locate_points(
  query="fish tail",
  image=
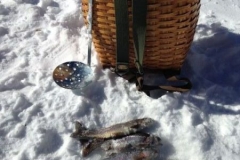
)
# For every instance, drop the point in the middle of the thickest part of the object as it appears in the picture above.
(91, 146)
(79, 130)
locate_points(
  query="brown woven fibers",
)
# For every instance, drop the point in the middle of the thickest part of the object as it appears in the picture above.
(170, 30)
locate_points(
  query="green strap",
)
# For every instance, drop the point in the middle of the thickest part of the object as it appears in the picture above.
(139, 34)
(139, 30)
(122, 33)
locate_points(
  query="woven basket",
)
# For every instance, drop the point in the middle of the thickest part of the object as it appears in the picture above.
(170, 29)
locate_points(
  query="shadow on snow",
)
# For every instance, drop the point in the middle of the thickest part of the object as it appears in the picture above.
(213, 67)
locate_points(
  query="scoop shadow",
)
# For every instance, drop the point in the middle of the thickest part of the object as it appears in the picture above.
(94, 91)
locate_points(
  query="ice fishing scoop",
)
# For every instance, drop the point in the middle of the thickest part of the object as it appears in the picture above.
(76, 75)
(73, 75)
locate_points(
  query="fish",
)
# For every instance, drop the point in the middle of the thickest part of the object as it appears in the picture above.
(146, 154)
(112, 146)
(79, 127)
(90, 146)
(114, 131)
(131, 142)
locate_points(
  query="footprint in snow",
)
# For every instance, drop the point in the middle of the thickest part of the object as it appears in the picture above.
(44, 4)
(27, 1)
(19, 131)
(196, 119)
(3, 10)
(3, 31)
(16, 81)
(21, 104)
(50, 141)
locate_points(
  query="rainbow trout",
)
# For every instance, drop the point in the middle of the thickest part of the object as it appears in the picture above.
(146, 154)
(132, 142)
(115, 131)
(90, 146)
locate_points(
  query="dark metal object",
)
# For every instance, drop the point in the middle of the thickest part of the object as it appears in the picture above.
(73, 75)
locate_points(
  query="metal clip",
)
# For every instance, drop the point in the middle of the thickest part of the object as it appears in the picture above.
(122, 69)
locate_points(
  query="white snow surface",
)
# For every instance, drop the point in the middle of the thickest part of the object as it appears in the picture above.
(37, 116)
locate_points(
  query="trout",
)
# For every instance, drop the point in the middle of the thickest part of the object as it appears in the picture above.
(115, 131)
(147, 154)
(90, 146)
(132, 142)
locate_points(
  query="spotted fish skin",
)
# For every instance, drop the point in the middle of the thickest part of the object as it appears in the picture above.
(138, 141)
(90, 146)
(118, 130)
(146, 154)
(111, 146)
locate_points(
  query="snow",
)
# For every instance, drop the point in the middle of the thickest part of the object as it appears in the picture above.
(37, 117)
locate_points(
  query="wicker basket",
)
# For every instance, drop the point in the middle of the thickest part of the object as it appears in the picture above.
(170, 30)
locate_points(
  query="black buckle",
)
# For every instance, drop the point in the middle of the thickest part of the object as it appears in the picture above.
(121, 69)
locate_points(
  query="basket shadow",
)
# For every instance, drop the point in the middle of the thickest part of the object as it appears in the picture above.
(213, 66)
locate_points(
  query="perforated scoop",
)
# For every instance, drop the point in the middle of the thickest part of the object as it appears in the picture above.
(73, 75)
(76, 75)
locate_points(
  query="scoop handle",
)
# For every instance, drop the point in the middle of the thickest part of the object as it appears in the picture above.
(90, 4)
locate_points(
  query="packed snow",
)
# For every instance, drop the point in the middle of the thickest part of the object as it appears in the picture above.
(37, 116)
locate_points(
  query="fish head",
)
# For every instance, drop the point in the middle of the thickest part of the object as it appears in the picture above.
(147, 154)
(145, 122)
(139, 124)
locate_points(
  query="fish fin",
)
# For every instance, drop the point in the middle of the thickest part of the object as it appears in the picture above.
(136, 126)
(84, 142)
(74, 135)
(140, 133)
(79, 126)
(91, 146)
(79, 129)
